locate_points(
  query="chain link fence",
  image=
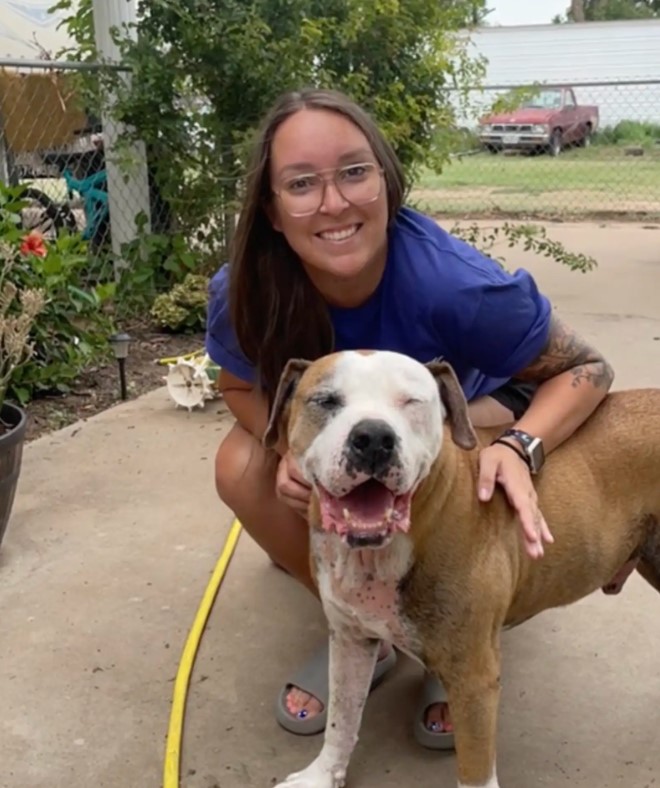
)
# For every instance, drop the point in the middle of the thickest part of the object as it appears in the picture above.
(60, 152)
(540, 159)
(542, 156)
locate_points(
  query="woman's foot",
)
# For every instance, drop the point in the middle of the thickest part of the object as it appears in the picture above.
(302, 703)
(304, 706)
(433, 726)
(438, 719)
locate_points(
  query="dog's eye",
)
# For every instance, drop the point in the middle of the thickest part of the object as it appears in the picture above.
(412, 401)
(327, 400)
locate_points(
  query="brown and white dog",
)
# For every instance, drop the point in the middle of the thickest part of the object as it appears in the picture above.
(403, 551)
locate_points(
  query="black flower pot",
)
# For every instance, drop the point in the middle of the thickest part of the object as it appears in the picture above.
(12, 436)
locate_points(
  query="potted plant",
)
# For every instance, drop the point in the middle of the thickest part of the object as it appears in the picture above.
(18, 310)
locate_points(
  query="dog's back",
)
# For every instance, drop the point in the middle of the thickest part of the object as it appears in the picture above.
(600, 495)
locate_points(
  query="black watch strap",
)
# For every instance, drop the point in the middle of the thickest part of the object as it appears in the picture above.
(519, 452)
(523, 438)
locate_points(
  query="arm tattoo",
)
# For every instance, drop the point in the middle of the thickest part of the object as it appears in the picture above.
(566, 351)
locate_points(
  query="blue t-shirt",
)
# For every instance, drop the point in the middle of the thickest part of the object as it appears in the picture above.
(438, 297)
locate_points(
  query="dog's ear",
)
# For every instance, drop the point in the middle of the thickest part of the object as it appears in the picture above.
(286, 387)
(451, 394)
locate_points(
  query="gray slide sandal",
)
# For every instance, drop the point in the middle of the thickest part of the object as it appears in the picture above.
(432, 692)
(312, 678)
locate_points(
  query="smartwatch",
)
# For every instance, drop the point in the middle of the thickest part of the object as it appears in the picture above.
(532, 448)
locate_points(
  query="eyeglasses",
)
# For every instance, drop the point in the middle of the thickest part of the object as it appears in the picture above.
(358, 184)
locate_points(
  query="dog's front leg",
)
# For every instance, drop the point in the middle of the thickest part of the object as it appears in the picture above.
(473, 692)
(352, 662)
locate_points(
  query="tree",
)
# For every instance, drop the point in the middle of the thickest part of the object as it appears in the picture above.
(576, 12)
(605, 10)
(204, 72)
(479, 13)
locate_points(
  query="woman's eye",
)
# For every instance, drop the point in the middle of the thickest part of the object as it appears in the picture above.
(301, 184)
(358, 169)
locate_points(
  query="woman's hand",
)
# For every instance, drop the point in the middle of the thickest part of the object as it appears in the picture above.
(499, 465)
(291, 487)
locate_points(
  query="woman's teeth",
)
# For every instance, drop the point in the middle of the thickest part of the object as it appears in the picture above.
(339, 235)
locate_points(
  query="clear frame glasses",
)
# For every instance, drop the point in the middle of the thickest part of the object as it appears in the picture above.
(303, 195)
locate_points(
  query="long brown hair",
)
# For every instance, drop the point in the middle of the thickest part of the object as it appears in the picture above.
(276, 312)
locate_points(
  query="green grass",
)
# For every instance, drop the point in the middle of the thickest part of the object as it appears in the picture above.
(600, 179)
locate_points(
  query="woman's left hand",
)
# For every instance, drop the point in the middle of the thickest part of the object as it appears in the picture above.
(499, 465)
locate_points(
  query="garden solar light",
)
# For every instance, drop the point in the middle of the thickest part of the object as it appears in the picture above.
(120, 343)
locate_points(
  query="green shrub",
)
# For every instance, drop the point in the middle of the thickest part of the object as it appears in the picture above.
(72, 329)
(629, 132)
(183, 309)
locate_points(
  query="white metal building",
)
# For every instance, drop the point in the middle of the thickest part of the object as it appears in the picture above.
(606, 52)
(28, 31)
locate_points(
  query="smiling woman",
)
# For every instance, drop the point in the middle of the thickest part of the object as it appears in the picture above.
(326, 257)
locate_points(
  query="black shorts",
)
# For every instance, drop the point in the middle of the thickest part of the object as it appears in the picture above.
(515, 395)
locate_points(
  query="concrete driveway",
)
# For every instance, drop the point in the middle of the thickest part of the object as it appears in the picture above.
(116, 530)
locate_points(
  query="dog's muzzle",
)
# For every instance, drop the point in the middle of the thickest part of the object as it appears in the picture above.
(372, 512)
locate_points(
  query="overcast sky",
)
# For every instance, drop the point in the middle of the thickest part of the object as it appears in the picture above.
(532, 12)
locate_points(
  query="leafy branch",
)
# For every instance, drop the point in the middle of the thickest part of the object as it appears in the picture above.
(532, 237)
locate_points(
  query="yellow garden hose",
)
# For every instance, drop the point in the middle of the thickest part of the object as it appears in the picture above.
(175, 731)
(185, 357)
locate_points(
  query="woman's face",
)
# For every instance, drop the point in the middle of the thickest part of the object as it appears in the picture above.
(338, 239)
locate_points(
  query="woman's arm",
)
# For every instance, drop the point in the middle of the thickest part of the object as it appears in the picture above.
(250, 410)
(574, 379)
(248, 406)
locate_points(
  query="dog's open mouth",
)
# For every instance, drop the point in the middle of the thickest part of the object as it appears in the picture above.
(368, 516)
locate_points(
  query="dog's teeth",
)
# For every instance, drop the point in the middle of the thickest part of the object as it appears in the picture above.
(347, 515)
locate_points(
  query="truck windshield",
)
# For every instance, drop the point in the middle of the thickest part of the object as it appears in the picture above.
(546, 99)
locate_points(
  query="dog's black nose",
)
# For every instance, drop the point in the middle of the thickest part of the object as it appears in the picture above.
(371, 445)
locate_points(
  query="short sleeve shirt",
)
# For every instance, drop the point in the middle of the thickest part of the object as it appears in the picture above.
(438, 297)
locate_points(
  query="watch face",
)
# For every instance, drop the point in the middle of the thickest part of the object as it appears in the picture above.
(536, 454)
(533, 448)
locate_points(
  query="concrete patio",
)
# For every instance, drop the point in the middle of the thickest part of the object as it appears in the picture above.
(116, 530)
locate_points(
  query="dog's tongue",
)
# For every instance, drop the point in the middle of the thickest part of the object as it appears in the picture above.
(369, 507)
(369, 503)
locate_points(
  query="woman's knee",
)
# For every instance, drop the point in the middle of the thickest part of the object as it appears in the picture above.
(241, 466)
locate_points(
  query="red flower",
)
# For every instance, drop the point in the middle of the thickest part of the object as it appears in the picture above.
(34, 244)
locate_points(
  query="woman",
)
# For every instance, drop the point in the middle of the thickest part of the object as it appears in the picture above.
(326, 257)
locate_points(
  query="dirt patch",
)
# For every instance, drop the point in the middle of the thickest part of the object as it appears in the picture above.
(98, 387)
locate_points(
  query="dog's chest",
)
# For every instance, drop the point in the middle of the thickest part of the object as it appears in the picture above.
(360, 588)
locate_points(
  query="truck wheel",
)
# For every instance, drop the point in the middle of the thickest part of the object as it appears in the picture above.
(554, 148)
(585, 142)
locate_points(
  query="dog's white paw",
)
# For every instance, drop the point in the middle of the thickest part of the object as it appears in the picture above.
(316, 775)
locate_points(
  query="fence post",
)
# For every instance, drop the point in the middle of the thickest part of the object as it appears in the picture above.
(7, 169)
(128, 182)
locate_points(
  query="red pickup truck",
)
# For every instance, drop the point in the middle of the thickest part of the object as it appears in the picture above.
(549, 121)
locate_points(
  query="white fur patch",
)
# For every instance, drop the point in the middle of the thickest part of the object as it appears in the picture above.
(359, 588)
(390, 387)
(319, 774)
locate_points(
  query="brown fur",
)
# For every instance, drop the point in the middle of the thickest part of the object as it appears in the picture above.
(471, 577)
(599, 493)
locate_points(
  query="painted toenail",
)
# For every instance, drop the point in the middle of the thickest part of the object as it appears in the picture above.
(302, 714)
